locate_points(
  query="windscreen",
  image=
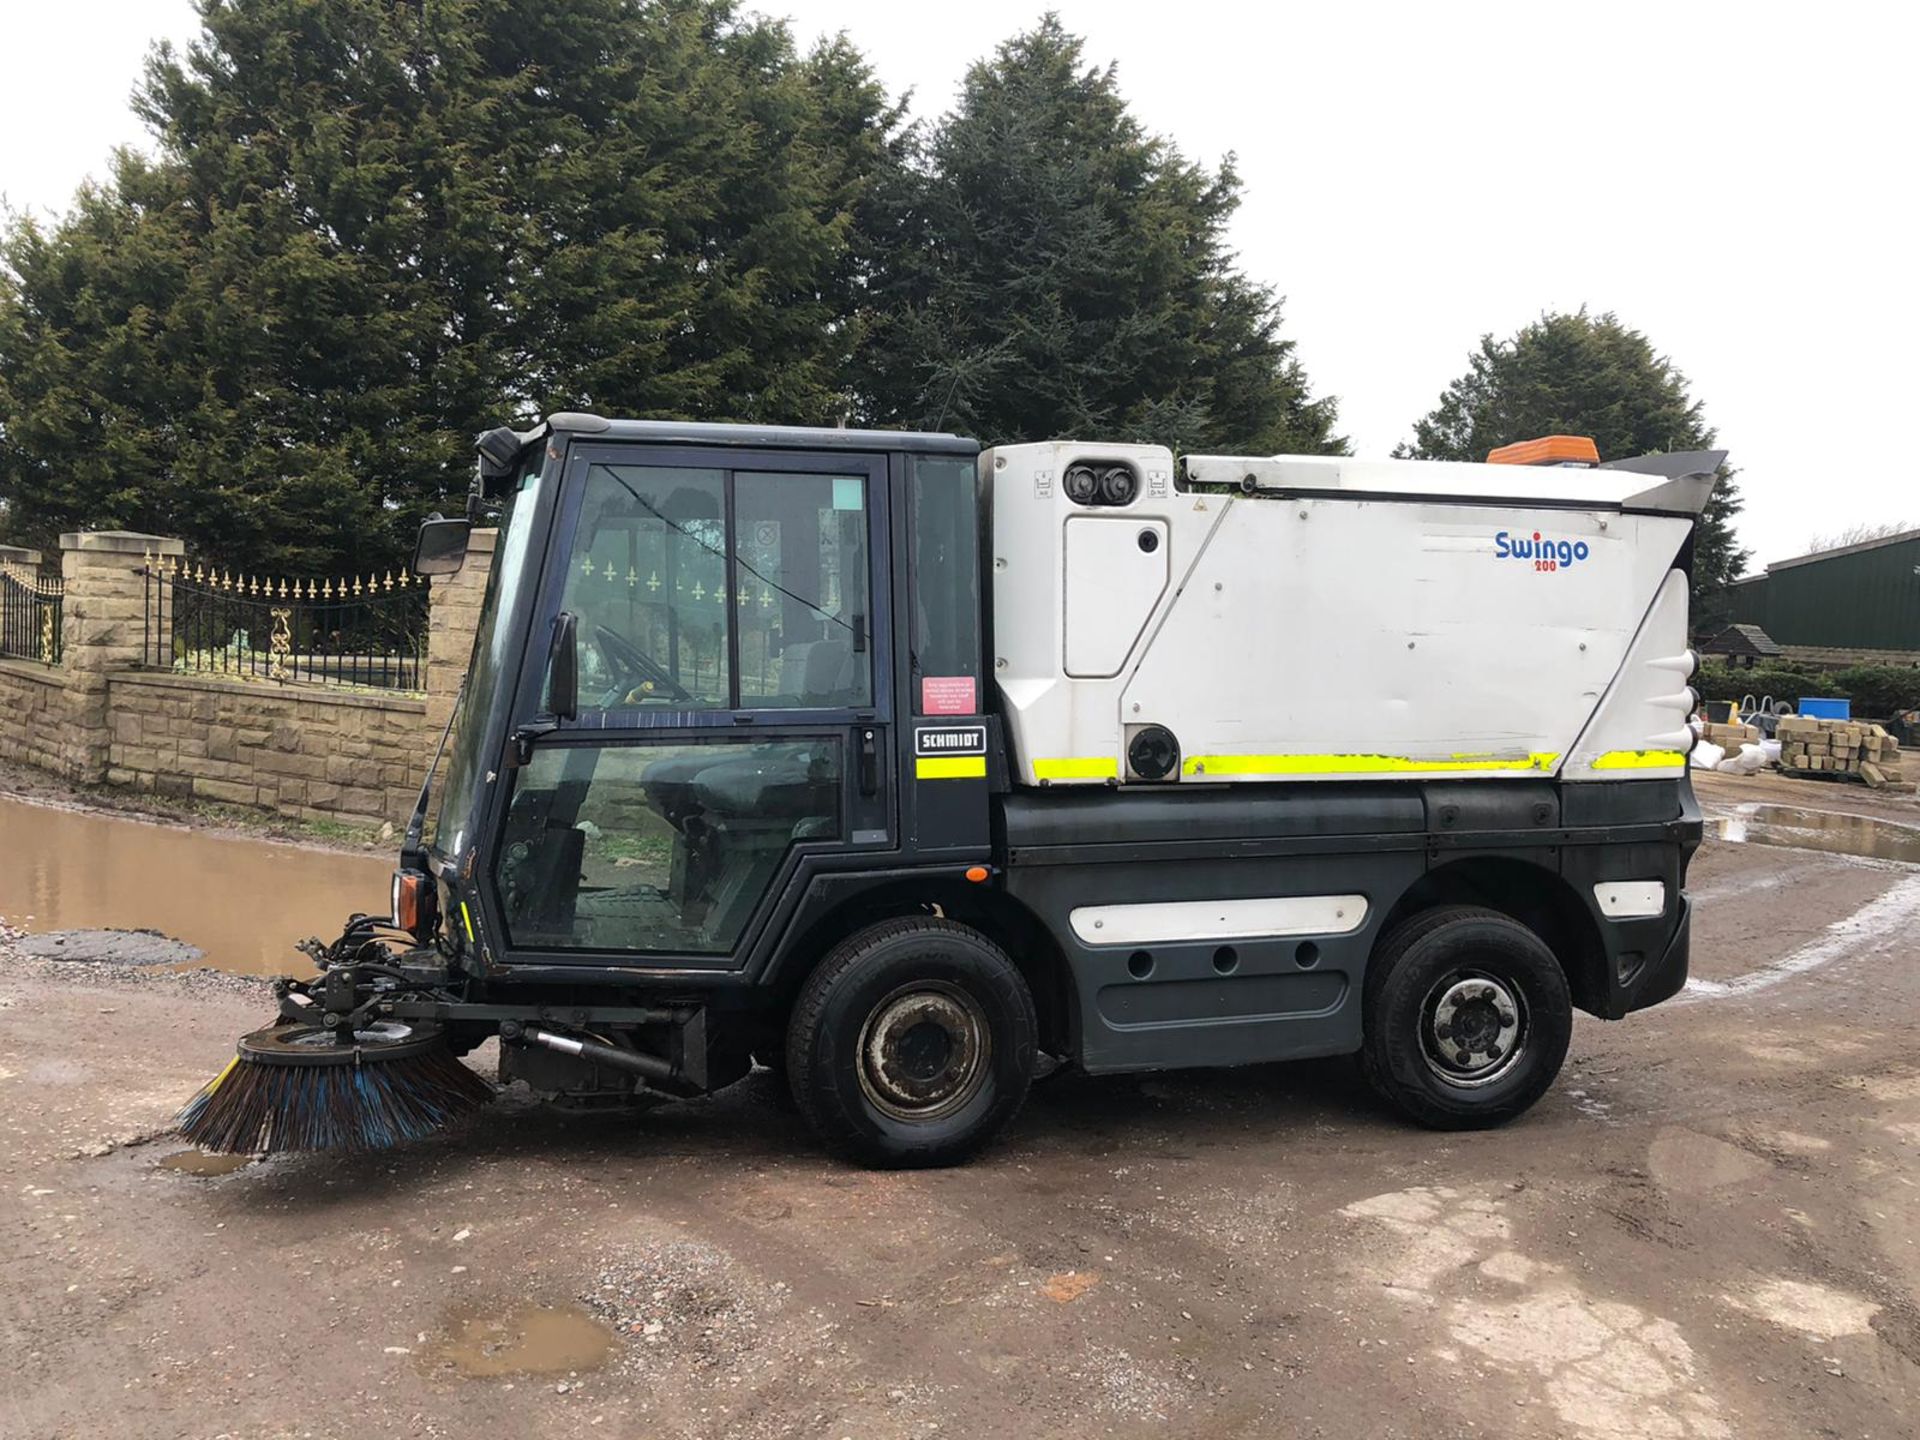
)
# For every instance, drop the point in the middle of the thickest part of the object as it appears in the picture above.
(512, 564)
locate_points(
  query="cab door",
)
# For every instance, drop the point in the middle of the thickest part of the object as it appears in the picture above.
(731, 735)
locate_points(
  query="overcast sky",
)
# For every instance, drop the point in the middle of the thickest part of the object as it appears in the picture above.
(1737, 180)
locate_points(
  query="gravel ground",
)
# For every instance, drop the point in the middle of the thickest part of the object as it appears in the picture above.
(1708, 1229)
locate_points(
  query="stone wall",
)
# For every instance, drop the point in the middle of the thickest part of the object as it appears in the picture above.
(33, 715)
(302, 750)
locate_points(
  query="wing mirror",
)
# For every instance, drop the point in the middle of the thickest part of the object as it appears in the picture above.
(442, 546)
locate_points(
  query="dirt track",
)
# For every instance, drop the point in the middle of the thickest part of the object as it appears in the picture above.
(1709, 1228)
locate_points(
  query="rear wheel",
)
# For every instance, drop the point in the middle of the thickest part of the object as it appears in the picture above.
(1467, 1018)
(912, 1044)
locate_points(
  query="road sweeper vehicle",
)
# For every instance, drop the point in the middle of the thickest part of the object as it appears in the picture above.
(895, 764)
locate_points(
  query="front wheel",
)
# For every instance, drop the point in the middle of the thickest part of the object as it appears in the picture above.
(912, 1044)
(1466, 1020)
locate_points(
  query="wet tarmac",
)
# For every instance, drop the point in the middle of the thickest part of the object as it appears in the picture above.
(242, 902)
(109, 947)
(1828, 831)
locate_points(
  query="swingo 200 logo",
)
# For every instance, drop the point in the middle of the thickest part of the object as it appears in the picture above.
(1546, 555)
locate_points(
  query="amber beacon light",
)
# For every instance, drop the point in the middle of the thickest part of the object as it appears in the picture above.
(1547, 450)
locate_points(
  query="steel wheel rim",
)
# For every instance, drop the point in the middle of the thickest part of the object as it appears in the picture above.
(924, 1052)
(1473, 1028)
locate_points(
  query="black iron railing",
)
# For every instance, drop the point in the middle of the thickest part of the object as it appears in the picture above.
(30, 615)
(363, 630)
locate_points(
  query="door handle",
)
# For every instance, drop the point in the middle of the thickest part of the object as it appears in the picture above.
(869, 762)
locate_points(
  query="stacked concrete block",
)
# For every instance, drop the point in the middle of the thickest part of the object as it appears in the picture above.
(1857, 749)
(1731, 737)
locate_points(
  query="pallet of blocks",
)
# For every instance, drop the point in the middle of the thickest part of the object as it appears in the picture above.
(1841, 749)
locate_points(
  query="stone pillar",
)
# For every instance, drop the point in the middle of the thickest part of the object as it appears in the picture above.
(453, 614)
(104, 629)
(23, 563)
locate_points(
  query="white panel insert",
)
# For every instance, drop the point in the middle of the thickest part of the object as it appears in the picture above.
(1631, 899)
(1113, 585)
(1173, 920)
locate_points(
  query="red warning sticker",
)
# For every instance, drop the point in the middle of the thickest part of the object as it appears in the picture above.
(949, 695)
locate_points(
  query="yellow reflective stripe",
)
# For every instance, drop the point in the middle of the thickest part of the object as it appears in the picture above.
(1358, 764)
(1084, 767)
(1639, 760)
(466, 916)
(950, 767)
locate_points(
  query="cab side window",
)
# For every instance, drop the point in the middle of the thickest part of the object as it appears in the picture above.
(943, 519)
(800, 568)
(659, 846)
(699, 589)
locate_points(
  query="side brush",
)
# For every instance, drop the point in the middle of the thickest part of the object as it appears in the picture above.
(296, 1086)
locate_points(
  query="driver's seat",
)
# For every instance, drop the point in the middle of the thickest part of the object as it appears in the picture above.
(819, 672)
(829, 673)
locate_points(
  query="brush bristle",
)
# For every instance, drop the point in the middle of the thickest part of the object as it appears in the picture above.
(251, 1108)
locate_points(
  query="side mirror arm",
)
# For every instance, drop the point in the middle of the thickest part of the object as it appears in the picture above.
(563, 668)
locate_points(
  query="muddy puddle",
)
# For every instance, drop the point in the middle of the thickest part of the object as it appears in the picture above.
(523, 1340)
(241, 902)
(1825, 830)
(199, 1162)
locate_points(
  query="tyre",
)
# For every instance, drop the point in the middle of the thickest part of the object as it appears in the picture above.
(1466, 1018)
(912, 1044)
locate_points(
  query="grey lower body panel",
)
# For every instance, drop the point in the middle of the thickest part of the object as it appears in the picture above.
(1165, 1004)
(1201, 1000)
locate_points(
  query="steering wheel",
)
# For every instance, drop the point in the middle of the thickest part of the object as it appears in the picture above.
(623, 655)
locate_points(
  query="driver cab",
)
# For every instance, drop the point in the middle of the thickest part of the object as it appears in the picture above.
(726, 728)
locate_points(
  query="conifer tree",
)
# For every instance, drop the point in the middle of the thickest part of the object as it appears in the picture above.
(1049, 268)
(374, 227)
(1582, 374)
